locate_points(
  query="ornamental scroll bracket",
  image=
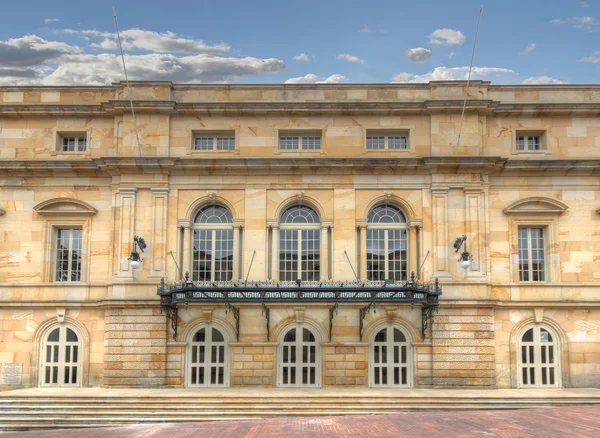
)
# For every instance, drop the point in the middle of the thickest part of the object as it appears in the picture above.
(363, 314)
(236, 315)
(267, 314)
(333, 310)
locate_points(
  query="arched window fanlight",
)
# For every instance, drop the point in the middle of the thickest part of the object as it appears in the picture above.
(300, 244)
(387, 244)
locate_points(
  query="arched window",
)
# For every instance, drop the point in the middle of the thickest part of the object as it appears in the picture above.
(387, 255)
(299, 358)
(300, 244)
(538, 357)
(212, 258)
(390, 358)
(208, 358)
(61, 357)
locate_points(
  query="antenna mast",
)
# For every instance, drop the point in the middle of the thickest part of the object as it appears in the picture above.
(462, 116)
(137, 137)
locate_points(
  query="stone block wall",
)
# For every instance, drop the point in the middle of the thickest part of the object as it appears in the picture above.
(253, 363)
(345, 364)
(135, 347)
(463, 347)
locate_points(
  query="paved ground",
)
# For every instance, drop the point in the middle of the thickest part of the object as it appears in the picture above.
(578, 421)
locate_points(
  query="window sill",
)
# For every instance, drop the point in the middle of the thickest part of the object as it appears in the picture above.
(543, 152)
(230, 152)
(388, 151)
(299, 151)
(58, 153)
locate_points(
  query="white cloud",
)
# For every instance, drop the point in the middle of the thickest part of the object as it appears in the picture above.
(140, 39)
(367, 29)
(589, 24)
(542, 80)
(314, 79)
(51, 20)
(594, 59)
(530, 48)
(107, 68)
(350, 58)
(302, 57)
(31, 60)
(418, 55)
(584, 5)
(447, 37)
(31, 50)
(451, 55)
(454, 74)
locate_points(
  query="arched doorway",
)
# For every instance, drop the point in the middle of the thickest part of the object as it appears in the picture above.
(61, 356)
(207, 358)
(538, 356)
(299, 358)
(390, 358)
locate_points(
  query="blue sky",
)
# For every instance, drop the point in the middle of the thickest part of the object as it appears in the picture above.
(526, 41)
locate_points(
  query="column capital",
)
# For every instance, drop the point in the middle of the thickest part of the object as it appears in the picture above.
(361, 223)
(127, 190)
(327, 223)
(159, 191)
(273, 223)
(184, 223)
(238, 223)
(415, 223)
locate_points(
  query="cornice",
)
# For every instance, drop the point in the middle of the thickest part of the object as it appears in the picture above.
(481, 106)
(181, 166)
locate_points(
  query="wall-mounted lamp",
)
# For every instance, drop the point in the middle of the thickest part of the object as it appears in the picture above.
(465, 258)
(134, 258)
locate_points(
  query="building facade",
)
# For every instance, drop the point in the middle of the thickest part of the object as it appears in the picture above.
(300, 235)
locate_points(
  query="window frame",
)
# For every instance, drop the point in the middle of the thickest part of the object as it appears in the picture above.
(55, 237)
(299, 345)
(551, 254)
(378, 131)
(387, 134)
(529, 240)
(60, 135)
(386, 227)
(301, 134)
(49, 265)
(214, 134)
(298, 228)
(212, 228)
(543, 139)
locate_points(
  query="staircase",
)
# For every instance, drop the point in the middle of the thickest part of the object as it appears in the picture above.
(38, 409)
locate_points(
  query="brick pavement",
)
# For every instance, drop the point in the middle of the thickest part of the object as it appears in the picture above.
(577, 421)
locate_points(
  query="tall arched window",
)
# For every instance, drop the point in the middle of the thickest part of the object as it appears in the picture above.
(212, 258)
(299, 358)
(300, 244)
(538, 357)
(61, 357)
(208, 358)
(387, 243)
(390, 358)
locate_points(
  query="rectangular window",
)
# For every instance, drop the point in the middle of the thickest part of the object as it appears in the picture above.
(303, 141)
(530, 141)
(68, 255)
(379, 140)
(214, 141)
(531, 254)
(76, 142)
(387, 256)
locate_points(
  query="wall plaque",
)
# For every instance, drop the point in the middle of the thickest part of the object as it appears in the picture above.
(11, 373)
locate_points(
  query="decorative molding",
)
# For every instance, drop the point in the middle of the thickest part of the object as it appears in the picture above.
(536, 205)
(64, 207)
(2, 211)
